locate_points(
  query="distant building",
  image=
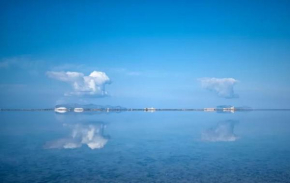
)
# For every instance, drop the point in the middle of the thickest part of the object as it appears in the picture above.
(150, 109)
(78, 109)
(229, 109)
(61, 109)
(209, 109)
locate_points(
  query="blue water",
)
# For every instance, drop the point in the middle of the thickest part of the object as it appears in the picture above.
(145, 147)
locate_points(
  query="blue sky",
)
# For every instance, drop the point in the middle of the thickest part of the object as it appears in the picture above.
(155, 53)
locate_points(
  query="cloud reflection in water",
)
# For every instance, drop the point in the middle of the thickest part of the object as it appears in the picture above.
(223, 132)
(90, 134)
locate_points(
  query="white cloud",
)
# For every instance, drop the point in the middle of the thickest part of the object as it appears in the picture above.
(134, 73)
(89, 134)
(66, 66)
(125, 71)
(223, 132)
(224, 87)
(91, 85)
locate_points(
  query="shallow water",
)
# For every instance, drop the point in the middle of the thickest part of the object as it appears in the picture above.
(145, 147)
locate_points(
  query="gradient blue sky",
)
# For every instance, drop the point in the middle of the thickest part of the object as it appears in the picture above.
(154, 52)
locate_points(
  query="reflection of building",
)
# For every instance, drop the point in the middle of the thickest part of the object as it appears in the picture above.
(229, 109)
(91, 134)
(61, 109)
(226, 109)
(150, 109)
(78, 110)
(209, 109)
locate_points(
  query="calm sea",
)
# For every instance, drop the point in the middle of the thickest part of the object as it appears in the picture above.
(145, 147)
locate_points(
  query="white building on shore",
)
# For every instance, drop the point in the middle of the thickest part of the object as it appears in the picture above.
(78, 109)
(229, 109)
(61, 110)
(150, 109)
(209, 109)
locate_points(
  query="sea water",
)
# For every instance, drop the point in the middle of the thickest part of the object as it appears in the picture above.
(145, 147)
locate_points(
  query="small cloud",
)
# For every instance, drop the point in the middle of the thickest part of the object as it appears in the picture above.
(66, 67)
(134, 73)
(223, 87)
(91, 85)
(125, 71)
(223, 132)
(24, 62)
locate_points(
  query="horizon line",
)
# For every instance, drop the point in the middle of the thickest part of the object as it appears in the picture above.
(145, 109)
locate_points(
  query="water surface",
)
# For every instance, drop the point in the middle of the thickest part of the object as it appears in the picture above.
(145, 147)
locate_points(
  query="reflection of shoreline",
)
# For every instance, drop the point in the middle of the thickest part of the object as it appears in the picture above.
(90, 134)
(138, 110)
(222, 132)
